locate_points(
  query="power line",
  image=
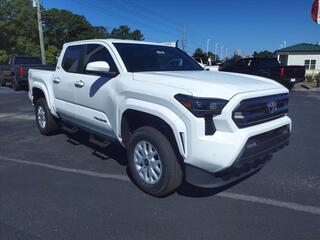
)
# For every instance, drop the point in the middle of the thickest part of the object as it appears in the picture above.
(154, 24)
(169, 29)
(113, 12)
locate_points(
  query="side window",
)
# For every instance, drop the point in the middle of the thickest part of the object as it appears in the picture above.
(307, 64)
(313, 64)
(72, 59)
(96, 52)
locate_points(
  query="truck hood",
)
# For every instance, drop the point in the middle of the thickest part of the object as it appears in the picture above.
(208, 83)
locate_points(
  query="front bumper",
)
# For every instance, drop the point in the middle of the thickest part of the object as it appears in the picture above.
(255, 153)
(214, 153)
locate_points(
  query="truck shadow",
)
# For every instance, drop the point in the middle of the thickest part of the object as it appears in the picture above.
(189, 190)
(113, 151)
(117, 153)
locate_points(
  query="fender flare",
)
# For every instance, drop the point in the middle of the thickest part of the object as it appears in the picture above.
(177, 125)
(43, 88)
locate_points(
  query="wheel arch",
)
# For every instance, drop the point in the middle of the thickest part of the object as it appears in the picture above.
(136, 113)
(39, 90)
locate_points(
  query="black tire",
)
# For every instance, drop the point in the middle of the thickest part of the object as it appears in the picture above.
(2, 82)
(51, 126)
(172, 173)
(15, 84)
(290, 86)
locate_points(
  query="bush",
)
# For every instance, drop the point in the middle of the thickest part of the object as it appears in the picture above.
(310, 78)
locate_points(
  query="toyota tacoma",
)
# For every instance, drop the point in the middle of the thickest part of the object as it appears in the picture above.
(177, 121)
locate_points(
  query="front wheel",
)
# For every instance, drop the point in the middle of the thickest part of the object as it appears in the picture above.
(153, 163)
(46, 123)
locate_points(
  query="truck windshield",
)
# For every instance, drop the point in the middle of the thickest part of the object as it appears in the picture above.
(27, 60)
(144, 57)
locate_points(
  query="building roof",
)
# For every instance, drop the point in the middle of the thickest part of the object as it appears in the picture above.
(300, 48)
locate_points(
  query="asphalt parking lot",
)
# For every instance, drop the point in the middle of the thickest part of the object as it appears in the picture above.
(63, 187)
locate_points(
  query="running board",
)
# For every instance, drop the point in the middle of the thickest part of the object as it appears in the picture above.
(101, 142)
(69, 128)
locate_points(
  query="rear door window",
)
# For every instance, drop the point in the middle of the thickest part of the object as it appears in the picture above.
(72, 59)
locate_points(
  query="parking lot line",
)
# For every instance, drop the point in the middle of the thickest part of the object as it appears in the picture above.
(235, 196)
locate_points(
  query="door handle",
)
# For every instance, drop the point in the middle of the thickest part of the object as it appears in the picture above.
(56, 80)
(79, 84)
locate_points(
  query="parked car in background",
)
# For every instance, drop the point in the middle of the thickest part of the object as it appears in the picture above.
(175, 119)
(269, 68)
(16, 72)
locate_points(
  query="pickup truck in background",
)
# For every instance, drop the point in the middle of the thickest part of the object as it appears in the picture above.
(176, 120)
(16, 72)
(269, 68)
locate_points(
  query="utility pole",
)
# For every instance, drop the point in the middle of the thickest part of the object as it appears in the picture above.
(43, 55)
(221, 52)
(215, 52)
(226, 53)
(183, 42)
(208, 41)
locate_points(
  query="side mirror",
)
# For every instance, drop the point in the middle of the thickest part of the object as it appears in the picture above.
(98, 67)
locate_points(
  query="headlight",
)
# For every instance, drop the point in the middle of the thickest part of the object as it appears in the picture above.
(202, 107)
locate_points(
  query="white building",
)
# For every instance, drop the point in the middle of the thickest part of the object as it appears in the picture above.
(303, 54)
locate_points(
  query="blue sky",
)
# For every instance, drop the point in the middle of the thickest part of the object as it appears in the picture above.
(249, 25)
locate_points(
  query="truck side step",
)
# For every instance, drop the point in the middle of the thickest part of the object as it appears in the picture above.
(101, 142)
(69, 128)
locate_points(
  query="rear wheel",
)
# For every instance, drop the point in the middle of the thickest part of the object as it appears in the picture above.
(153, 163)
(46, 123)
(2, 82)
(290, 86)
(15, 84)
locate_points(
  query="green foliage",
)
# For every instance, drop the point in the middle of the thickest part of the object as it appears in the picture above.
(61, 26)
(18, 27)
(51, 54)
(124, 32)
(3, 56)
(264, 54)
(309, 78)
(19, 30)
(199, 54)
(235, 58)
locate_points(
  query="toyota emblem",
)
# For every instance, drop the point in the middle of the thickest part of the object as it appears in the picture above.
(272, 107)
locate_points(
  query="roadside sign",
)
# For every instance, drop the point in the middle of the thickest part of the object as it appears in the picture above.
(315, 11)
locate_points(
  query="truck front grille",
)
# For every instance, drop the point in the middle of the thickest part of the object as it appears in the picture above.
(254, 111)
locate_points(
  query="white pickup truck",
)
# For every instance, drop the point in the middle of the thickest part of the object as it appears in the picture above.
(176, 120)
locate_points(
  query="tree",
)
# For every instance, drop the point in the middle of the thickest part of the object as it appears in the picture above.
(199, 54)
(19, 30)
(61, 26)
(264, 54)
(51, 54)
(124, 32)
(236, 58)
